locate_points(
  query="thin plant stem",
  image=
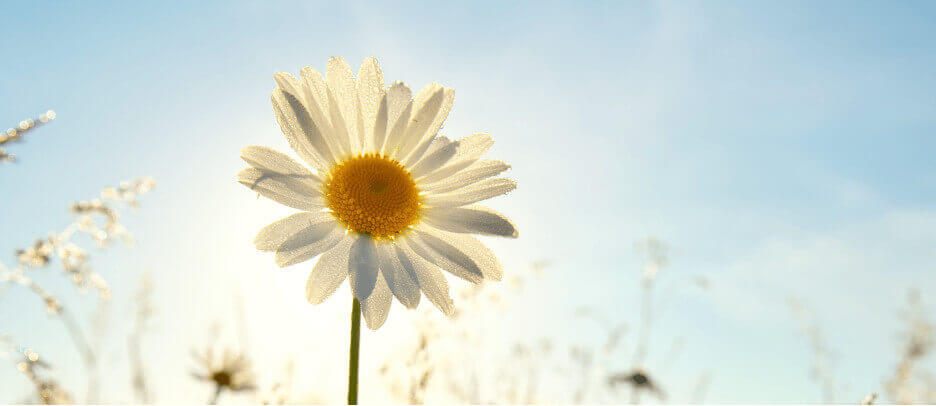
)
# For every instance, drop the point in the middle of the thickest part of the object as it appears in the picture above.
(646, 321)
(355, 351)
(71, 325)
(86, 351)
(217, 393)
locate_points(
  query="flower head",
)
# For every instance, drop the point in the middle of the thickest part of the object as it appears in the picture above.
(231, 371)
(638, 380)
(388, 201)
(39, 254)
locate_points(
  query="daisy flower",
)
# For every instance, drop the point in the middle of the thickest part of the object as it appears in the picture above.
(386, 201)
(229, 372)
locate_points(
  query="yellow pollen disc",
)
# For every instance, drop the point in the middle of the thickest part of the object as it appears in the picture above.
(373, 194)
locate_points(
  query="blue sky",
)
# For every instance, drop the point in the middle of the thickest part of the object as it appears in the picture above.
(781, 149)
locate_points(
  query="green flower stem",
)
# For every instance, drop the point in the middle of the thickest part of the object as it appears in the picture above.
(217, 394)
(355, 351)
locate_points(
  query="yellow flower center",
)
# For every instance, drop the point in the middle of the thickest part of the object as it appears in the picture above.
(222, 378)
(373, 194)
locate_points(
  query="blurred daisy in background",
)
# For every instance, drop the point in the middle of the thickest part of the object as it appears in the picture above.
(231, 371)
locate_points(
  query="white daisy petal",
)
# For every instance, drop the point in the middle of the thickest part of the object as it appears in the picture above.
(341, 83)
(289, 84)
(448, 98)
(272, 236)
(426, 107)
(444, 255)
(470, 149)
(316, 97)
(454, 166)
(471, 220)
(271, 160)
(370, 93)
(398, 97)
(296, 192)
(472, 193)
(377, 306)
(315, 89)
(437, 144)
(438, 154)
(301, 132)
(430, 280)
(402, 283)
(380, 126)
(474, 146)
(329, 272)
(362, 266)
(395, 135)
(340, 133)
(453, 246)
(309, 242)
(478, 171)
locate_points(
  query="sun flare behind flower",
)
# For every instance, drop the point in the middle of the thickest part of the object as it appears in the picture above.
(388, 201)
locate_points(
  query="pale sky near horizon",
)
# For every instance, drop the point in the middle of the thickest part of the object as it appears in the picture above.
(781, 149)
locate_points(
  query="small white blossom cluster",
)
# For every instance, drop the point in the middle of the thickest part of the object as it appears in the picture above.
(29, 364)
(90, 211)
(97, 218)
(910, 383)
(17, 276)
(14, 134)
